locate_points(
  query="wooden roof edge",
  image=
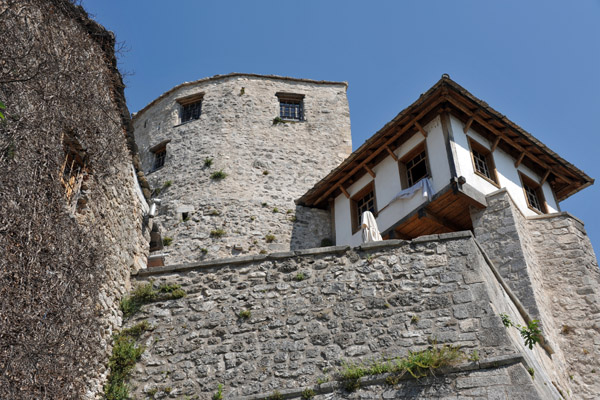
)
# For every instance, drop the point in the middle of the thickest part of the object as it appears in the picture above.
(504, 119)
(231, 75)
(314, 193)
(305, 199)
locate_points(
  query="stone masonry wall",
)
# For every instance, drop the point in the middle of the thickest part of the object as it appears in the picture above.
(268, 166)
(550, 264)
(570, 280)
(315, 309)
(63, 268)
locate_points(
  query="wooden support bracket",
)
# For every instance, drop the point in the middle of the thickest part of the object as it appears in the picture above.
(424, 213)
(545, 177)
(370, 171)
(420, 128)
(519, 160)
(495, 144)
(470, 121)
(343, 189)
(391, 153)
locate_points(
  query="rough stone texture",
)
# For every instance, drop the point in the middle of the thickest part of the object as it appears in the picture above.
(569, 279)
(62, 272)
(350, 307)
(268, 165)
(550, 264)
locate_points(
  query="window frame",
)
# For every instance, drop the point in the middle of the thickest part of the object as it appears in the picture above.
(361, 194)
(475, 146)
(414, 152)
(291, 98)
(538, 191)
(155, 150)
(74, 171)
(188, 101)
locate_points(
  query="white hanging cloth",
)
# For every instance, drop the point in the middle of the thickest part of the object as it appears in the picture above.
(424, 185)
(370, 232)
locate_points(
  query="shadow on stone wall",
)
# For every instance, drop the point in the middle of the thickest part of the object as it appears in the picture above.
(311, 228)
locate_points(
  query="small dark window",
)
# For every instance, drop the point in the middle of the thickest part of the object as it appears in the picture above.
(190, 107)
(533, 194)
(191, 111)
(361, 202)
(291, 106)
(159, 158)
(483, 162)
(416, 168)
(74, 173)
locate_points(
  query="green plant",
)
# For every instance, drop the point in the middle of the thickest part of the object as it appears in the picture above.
(124, 355)
(218, 175)
(531, 372)
(289, 211)
(204, 250)
(566, 329)
(322, 379)
(2, 107)
(245, 314)
(414, 319)
(278, 120)
(167, 389)
(531, 333)
(293, 218)
(299, 277)
(326, 242)
(185, 217)
(265, 172)
(167, 240)
(474, 356)
(270, 238)
(275, 210)
(252, 218)
(167, 184)
(208, 162)
(275, 396)
(417, 364)
(146, 293)
(242, 91)
(506, 320)
(152, 392)
(219, 393)
(264, 204)
(263, 251)
(307, 394)
(217, 233)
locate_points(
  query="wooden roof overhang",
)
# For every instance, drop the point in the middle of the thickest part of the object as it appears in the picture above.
(448, 96)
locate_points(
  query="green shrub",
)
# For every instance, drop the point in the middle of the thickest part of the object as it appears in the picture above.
(270, 238)
(275, 210)
(204, 250)
(167, 240)
(275, 396)
(217, 233)
(218, 175)
(299, 277)
(219, 393)
(208, 162)
(146, 293)
(245, 314)
(278, 120)
(265, 172)
(308, 394)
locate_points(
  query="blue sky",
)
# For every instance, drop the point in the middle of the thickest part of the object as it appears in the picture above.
(537, 62)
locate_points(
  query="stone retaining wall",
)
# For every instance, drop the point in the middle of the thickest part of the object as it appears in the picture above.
(313, 310)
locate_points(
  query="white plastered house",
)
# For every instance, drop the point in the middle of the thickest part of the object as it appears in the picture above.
(426, 170)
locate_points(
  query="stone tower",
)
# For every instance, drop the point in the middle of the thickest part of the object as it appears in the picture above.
(228, 155)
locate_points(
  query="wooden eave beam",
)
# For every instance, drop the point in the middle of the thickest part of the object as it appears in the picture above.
(379, 149)
(470, 121)
(370, 171)
(391, 153)
(343, 189)
(545, 177)
(496, 143)
(420, 128)
(506, 138)
(520, 159)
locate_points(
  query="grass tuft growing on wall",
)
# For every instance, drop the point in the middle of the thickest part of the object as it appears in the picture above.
(146, 293)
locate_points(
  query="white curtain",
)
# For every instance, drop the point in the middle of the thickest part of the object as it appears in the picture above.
(370, 232)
